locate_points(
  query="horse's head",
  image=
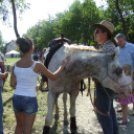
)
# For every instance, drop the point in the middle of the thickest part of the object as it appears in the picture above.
(112, 76)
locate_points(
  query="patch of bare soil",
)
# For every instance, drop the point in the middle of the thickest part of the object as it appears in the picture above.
(87, 122)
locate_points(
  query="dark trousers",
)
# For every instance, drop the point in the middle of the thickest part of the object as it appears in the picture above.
(1, 112)
(108, 124)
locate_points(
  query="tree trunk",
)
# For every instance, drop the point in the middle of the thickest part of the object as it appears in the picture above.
(15, 19)
(122, 19)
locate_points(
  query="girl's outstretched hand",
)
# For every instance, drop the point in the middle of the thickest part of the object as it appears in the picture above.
(64, 62)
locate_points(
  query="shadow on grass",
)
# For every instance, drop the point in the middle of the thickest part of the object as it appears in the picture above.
(7, 101)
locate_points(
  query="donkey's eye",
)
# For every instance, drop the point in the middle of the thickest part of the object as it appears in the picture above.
(118, 71)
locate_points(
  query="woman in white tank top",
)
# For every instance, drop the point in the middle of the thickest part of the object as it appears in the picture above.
(24, 78)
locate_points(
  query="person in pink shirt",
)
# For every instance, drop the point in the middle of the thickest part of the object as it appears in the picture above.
(124, 103)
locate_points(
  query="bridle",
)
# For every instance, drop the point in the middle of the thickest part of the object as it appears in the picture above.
(89, 92)
(108, 75)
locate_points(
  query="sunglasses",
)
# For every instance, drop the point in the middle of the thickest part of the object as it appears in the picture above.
(97, 31)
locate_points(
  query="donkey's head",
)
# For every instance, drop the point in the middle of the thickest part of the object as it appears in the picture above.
(112, 76)
(85, 62)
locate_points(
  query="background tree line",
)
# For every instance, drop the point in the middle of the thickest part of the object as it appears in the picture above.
(75, 22)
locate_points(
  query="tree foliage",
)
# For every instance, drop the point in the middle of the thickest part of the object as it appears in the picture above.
(6, 8)
(75, 22)
(124, 16)
(1, 43)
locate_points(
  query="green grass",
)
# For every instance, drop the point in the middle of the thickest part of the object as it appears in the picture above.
(11, 61)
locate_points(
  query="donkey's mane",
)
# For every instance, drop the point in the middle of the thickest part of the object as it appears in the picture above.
(74, 48)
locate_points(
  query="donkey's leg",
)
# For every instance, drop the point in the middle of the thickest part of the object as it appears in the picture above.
(65, 108)
(57, 110)
(73, 127)
(65, 112)
(50, 103)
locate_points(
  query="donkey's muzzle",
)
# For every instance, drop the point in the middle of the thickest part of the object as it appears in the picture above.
(125, 92)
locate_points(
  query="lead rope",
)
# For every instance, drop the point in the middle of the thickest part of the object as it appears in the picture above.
(88, 86)
(95, 109)
(89, 91)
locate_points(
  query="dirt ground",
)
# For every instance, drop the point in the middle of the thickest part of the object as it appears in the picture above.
(86, 119)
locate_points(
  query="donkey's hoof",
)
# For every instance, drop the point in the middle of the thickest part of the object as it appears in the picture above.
(74, 133)
(56, 116)
(46, 130)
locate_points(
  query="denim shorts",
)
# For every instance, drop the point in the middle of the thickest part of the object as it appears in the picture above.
(26, 104)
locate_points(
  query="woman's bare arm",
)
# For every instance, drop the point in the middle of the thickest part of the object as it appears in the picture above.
(53, 76)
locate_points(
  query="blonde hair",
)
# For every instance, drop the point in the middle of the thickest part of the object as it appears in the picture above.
(127, 69)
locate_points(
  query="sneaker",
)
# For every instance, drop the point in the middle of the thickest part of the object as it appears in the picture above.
(122, 123)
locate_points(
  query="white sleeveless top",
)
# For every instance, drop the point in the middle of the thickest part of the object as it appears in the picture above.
(26, 81)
